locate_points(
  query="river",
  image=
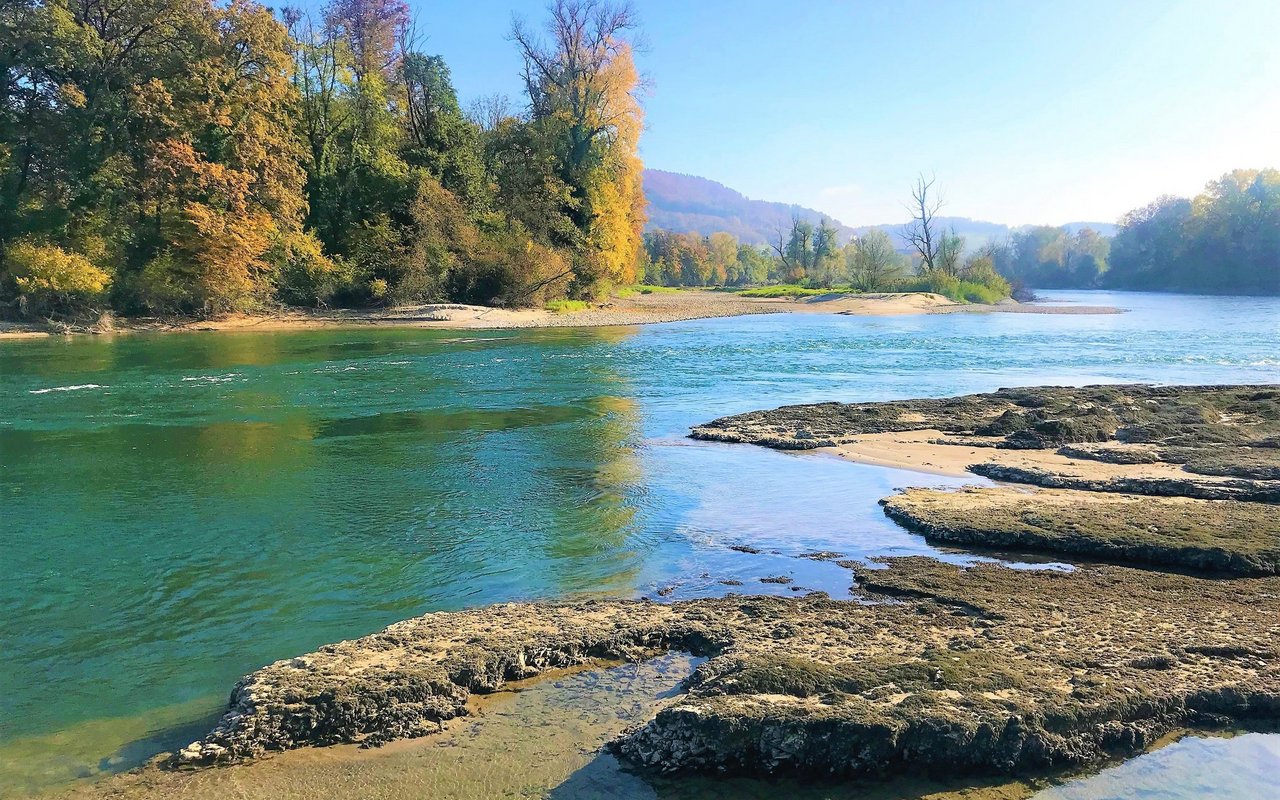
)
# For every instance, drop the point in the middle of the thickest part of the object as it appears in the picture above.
(179, 509)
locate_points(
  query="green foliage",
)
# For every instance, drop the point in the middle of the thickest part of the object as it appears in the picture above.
(1225, 240)
(307, 276)
(567, 306)
(872, 263)
(1051, 258)
(980, 287)
(195, 156)
(48, 279)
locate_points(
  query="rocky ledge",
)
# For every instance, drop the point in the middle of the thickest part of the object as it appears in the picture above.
(1212, 442)
(980, 669)
(1218, 536)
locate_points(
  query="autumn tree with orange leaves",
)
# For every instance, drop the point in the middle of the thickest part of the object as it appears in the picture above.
(202, 157)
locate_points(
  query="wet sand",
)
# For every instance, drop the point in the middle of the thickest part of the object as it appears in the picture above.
(934, 452)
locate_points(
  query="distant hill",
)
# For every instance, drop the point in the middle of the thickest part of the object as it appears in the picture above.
(686, 203)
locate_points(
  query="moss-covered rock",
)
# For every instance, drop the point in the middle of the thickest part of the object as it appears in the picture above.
(1240, 538)
(985, 669)
(1222, 437)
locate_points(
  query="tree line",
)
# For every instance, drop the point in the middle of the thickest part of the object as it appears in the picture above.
(1225, 240)
(193, 156)
(812, 256)
(807, 254)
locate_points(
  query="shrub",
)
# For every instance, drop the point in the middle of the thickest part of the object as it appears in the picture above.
(48, 279)
(972, 292)
(935, 281)
(164, 286)
(510, 269)
(307, 277)
(982, 271)
(976, 287)
(567, 306)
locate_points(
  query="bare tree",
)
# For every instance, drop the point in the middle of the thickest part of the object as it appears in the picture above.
(779, 246)
(920, 233)
(565, 74)
(489, 111)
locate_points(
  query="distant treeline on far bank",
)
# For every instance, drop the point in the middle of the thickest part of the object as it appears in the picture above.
(1225, 240)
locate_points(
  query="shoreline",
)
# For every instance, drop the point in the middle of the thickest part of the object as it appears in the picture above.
(638, 309)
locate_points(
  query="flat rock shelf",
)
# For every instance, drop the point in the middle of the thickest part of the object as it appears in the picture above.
(985, 669)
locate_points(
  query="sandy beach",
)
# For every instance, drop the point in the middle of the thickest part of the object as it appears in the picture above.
(635, 309)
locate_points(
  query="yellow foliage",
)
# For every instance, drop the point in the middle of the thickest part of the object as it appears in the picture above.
(50, 278)
(226, 249)
(616, 194)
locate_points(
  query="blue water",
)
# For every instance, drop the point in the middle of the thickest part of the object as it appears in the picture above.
(181, 509)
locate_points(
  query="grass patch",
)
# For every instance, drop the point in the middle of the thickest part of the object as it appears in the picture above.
(791, 290)
(644, 288)
(567, 306)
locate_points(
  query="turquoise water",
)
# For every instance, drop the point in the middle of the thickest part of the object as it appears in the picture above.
(176, 510)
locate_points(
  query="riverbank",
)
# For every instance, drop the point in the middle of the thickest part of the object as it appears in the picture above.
(631, 309)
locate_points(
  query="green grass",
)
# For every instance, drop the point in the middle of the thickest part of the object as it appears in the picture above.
(644, 288)
(790, 290)
(567, 306)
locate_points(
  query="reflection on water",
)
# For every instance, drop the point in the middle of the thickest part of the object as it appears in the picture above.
(543, 740)
(1245, 767)
(203, 504)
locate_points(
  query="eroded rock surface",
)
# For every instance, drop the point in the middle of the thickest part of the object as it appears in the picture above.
(1193, 441)
(986, 669)
(1206, 535)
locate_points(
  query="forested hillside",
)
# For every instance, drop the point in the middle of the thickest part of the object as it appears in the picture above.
(193, 156)
(687, 203)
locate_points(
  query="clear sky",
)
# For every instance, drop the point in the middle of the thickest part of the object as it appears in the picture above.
(1030, 111)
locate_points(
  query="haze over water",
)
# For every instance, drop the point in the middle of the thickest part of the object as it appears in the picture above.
(178, 510)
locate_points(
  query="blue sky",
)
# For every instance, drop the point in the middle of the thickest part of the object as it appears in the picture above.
(1040, 111)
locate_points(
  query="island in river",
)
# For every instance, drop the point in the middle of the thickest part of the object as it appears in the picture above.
(933, 666)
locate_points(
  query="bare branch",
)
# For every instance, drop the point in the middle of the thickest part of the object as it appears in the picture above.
(920, 233)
